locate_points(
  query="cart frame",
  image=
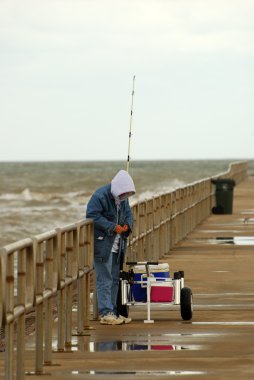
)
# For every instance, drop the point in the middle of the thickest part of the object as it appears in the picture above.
(182, 296)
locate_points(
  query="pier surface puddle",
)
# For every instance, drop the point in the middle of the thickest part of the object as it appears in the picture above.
(140, 346)
(224, 323)
(132, 342)
(138, 373)
(235, 240)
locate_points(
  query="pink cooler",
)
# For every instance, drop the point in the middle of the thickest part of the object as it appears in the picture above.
(161, 294)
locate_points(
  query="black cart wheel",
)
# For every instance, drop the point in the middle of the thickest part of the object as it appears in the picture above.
(121, 309)
(186, 304)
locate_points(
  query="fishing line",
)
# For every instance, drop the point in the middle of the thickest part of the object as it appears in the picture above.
(130, 130)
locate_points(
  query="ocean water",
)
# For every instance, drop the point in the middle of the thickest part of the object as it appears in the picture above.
(38, 196)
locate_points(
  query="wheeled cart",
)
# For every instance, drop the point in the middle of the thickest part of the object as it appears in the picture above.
(150, 283)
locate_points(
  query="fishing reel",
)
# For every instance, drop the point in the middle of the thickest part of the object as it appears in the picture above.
(128, 276)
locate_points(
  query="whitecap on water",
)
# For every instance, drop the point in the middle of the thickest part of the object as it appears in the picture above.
(27, 194)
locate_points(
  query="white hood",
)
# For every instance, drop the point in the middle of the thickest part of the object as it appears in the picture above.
(122, 183)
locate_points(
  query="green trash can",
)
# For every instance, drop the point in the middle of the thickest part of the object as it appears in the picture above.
(224, 195)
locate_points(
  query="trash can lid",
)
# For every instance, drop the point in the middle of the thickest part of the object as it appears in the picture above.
(221, 181)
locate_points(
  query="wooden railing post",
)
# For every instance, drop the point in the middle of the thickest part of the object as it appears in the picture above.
(49, 301)
(21, 300)
(9, 317)
(88, 267)
(61, 290)
(81, 281)
(39, 321)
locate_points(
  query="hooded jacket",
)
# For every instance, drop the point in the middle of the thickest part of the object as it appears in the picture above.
(107, 210)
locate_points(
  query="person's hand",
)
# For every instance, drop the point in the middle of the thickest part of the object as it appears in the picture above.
(119, 229)
(125, 228)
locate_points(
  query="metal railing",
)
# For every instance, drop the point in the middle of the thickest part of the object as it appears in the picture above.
(34, 273)
(42, 274)
(162, 221)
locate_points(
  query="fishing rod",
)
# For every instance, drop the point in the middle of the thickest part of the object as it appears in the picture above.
(124, 309)
(129, 143)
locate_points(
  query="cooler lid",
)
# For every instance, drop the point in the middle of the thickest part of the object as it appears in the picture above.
(163, 267)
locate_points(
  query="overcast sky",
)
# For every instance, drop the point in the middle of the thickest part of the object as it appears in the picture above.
(66, 69)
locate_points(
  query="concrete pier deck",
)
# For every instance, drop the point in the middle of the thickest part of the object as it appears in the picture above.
(218, 260)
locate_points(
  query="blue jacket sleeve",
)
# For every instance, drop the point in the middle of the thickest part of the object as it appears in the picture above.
(95, 212)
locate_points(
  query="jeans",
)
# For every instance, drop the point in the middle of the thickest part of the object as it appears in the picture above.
(107, 272)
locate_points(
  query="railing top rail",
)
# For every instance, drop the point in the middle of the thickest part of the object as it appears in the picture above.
(16, 246)
(85, 221)
(45, 236)
(230, 169)
(194, 183)
(73, 226)
(67, 228)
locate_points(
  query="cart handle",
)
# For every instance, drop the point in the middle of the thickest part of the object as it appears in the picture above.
(142, 263)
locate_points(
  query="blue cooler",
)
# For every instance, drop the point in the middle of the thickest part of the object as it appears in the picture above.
(139, 290)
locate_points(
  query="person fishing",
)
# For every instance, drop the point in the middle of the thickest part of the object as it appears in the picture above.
(113, 221)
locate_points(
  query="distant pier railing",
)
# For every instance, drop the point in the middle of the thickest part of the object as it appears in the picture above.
(162, 221)
(41, 277)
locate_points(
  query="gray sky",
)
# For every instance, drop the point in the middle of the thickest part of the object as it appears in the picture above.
(66, 70)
